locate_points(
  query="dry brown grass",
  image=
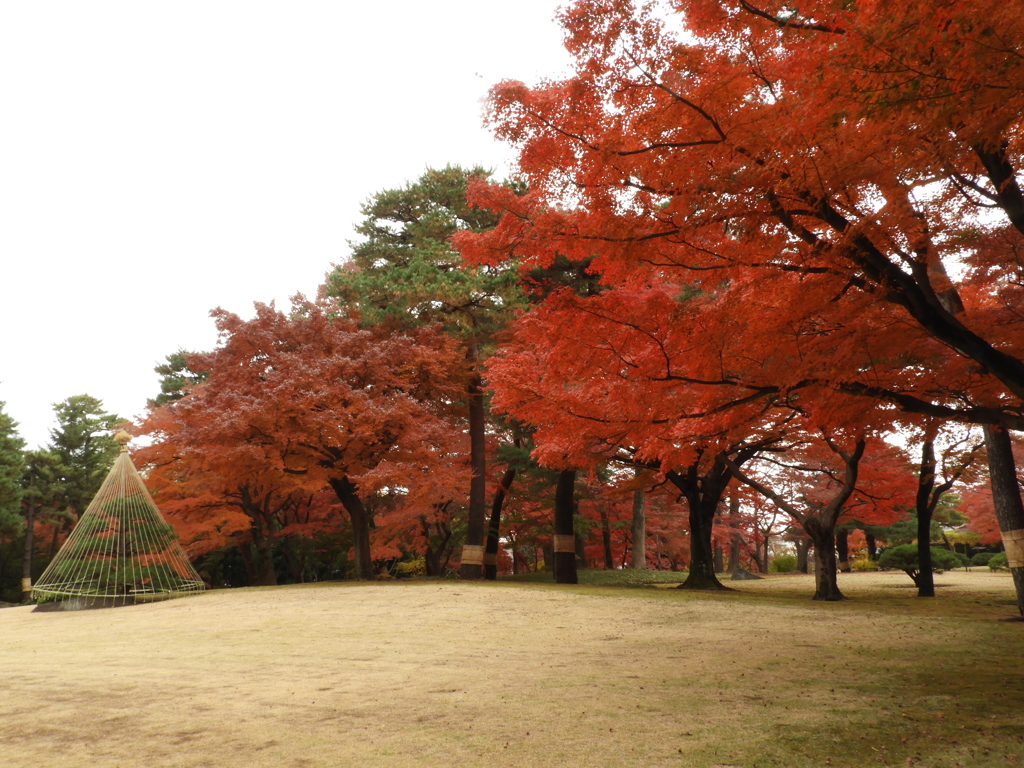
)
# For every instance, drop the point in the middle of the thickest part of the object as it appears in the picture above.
(454, 674)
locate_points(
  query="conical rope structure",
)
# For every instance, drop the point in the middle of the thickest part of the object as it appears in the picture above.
(121, 550)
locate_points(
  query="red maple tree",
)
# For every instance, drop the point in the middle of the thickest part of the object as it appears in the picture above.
(305, 401)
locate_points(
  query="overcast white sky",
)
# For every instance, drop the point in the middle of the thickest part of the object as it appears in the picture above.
(161, 159)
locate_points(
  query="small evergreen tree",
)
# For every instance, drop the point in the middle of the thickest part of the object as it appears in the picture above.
(84, 447)
(12, 464)
(176, 378)
(905, 558)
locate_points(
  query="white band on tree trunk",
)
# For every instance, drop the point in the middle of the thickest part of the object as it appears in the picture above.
(565, 542)
(490, 558)
(472, 554)
(1013, 543)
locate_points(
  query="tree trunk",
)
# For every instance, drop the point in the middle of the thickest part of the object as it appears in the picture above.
(565, 540)
(494, 526)
(872, 546)
(581, 548)
(245, 552)
(606, 538)
(703, 494)
(1008, 505)
(803, 546)
(734, 539)
(295, 560)
(843, 549)
(719, 559)
(432, 554)
(57, 528)
(826, 586)
(702, 560)
(26, 562)
(432, 562)
(345, 490)
(638, 556)
(472, 566)
(263, 559)
(925, 579)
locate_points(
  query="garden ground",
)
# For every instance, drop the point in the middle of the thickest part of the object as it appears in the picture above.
(470, 674)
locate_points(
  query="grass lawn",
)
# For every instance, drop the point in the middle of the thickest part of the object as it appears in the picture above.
(522, 674)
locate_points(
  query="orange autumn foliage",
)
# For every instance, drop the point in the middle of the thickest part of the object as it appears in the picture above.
(825, 165)
(302, 402)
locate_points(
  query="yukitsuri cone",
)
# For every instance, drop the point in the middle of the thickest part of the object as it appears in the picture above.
(121, 550)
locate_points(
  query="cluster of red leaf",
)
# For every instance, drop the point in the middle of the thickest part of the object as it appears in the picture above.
(303, 415)
(802, 237)
(775, 200)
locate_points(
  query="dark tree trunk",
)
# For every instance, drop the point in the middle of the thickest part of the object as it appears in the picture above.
(803, 546)
(564, 544)
(260, 531)
(843, 549)
(346, 493)
(606, 538)
(432, 562)
(263, 559)
(734, 539)
(734, 554)
(494, 526)
(719, 559)
(702, 561)
(57, 528)
(26, 563)
(703, 494)
(822, 533)
(472, 566)
(638, 555)
(295, 561)
(925, 579)
(245, 552)
(581, 550)
(872, 546)
(1009, 508)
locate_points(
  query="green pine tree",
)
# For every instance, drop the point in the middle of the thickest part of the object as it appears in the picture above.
(84, 446)
(404, 268)
(405, 271)
(176, 378)
(12, 524)
(12, 466)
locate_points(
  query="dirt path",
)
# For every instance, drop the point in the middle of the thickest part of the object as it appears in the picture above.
(455, 674)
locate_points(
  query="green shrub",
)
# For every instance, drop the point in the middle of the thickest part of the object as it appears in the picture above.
(783, 564)
(904, 558)
(982, 558)
(864, 564)
(998, 562)
(414, 567)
